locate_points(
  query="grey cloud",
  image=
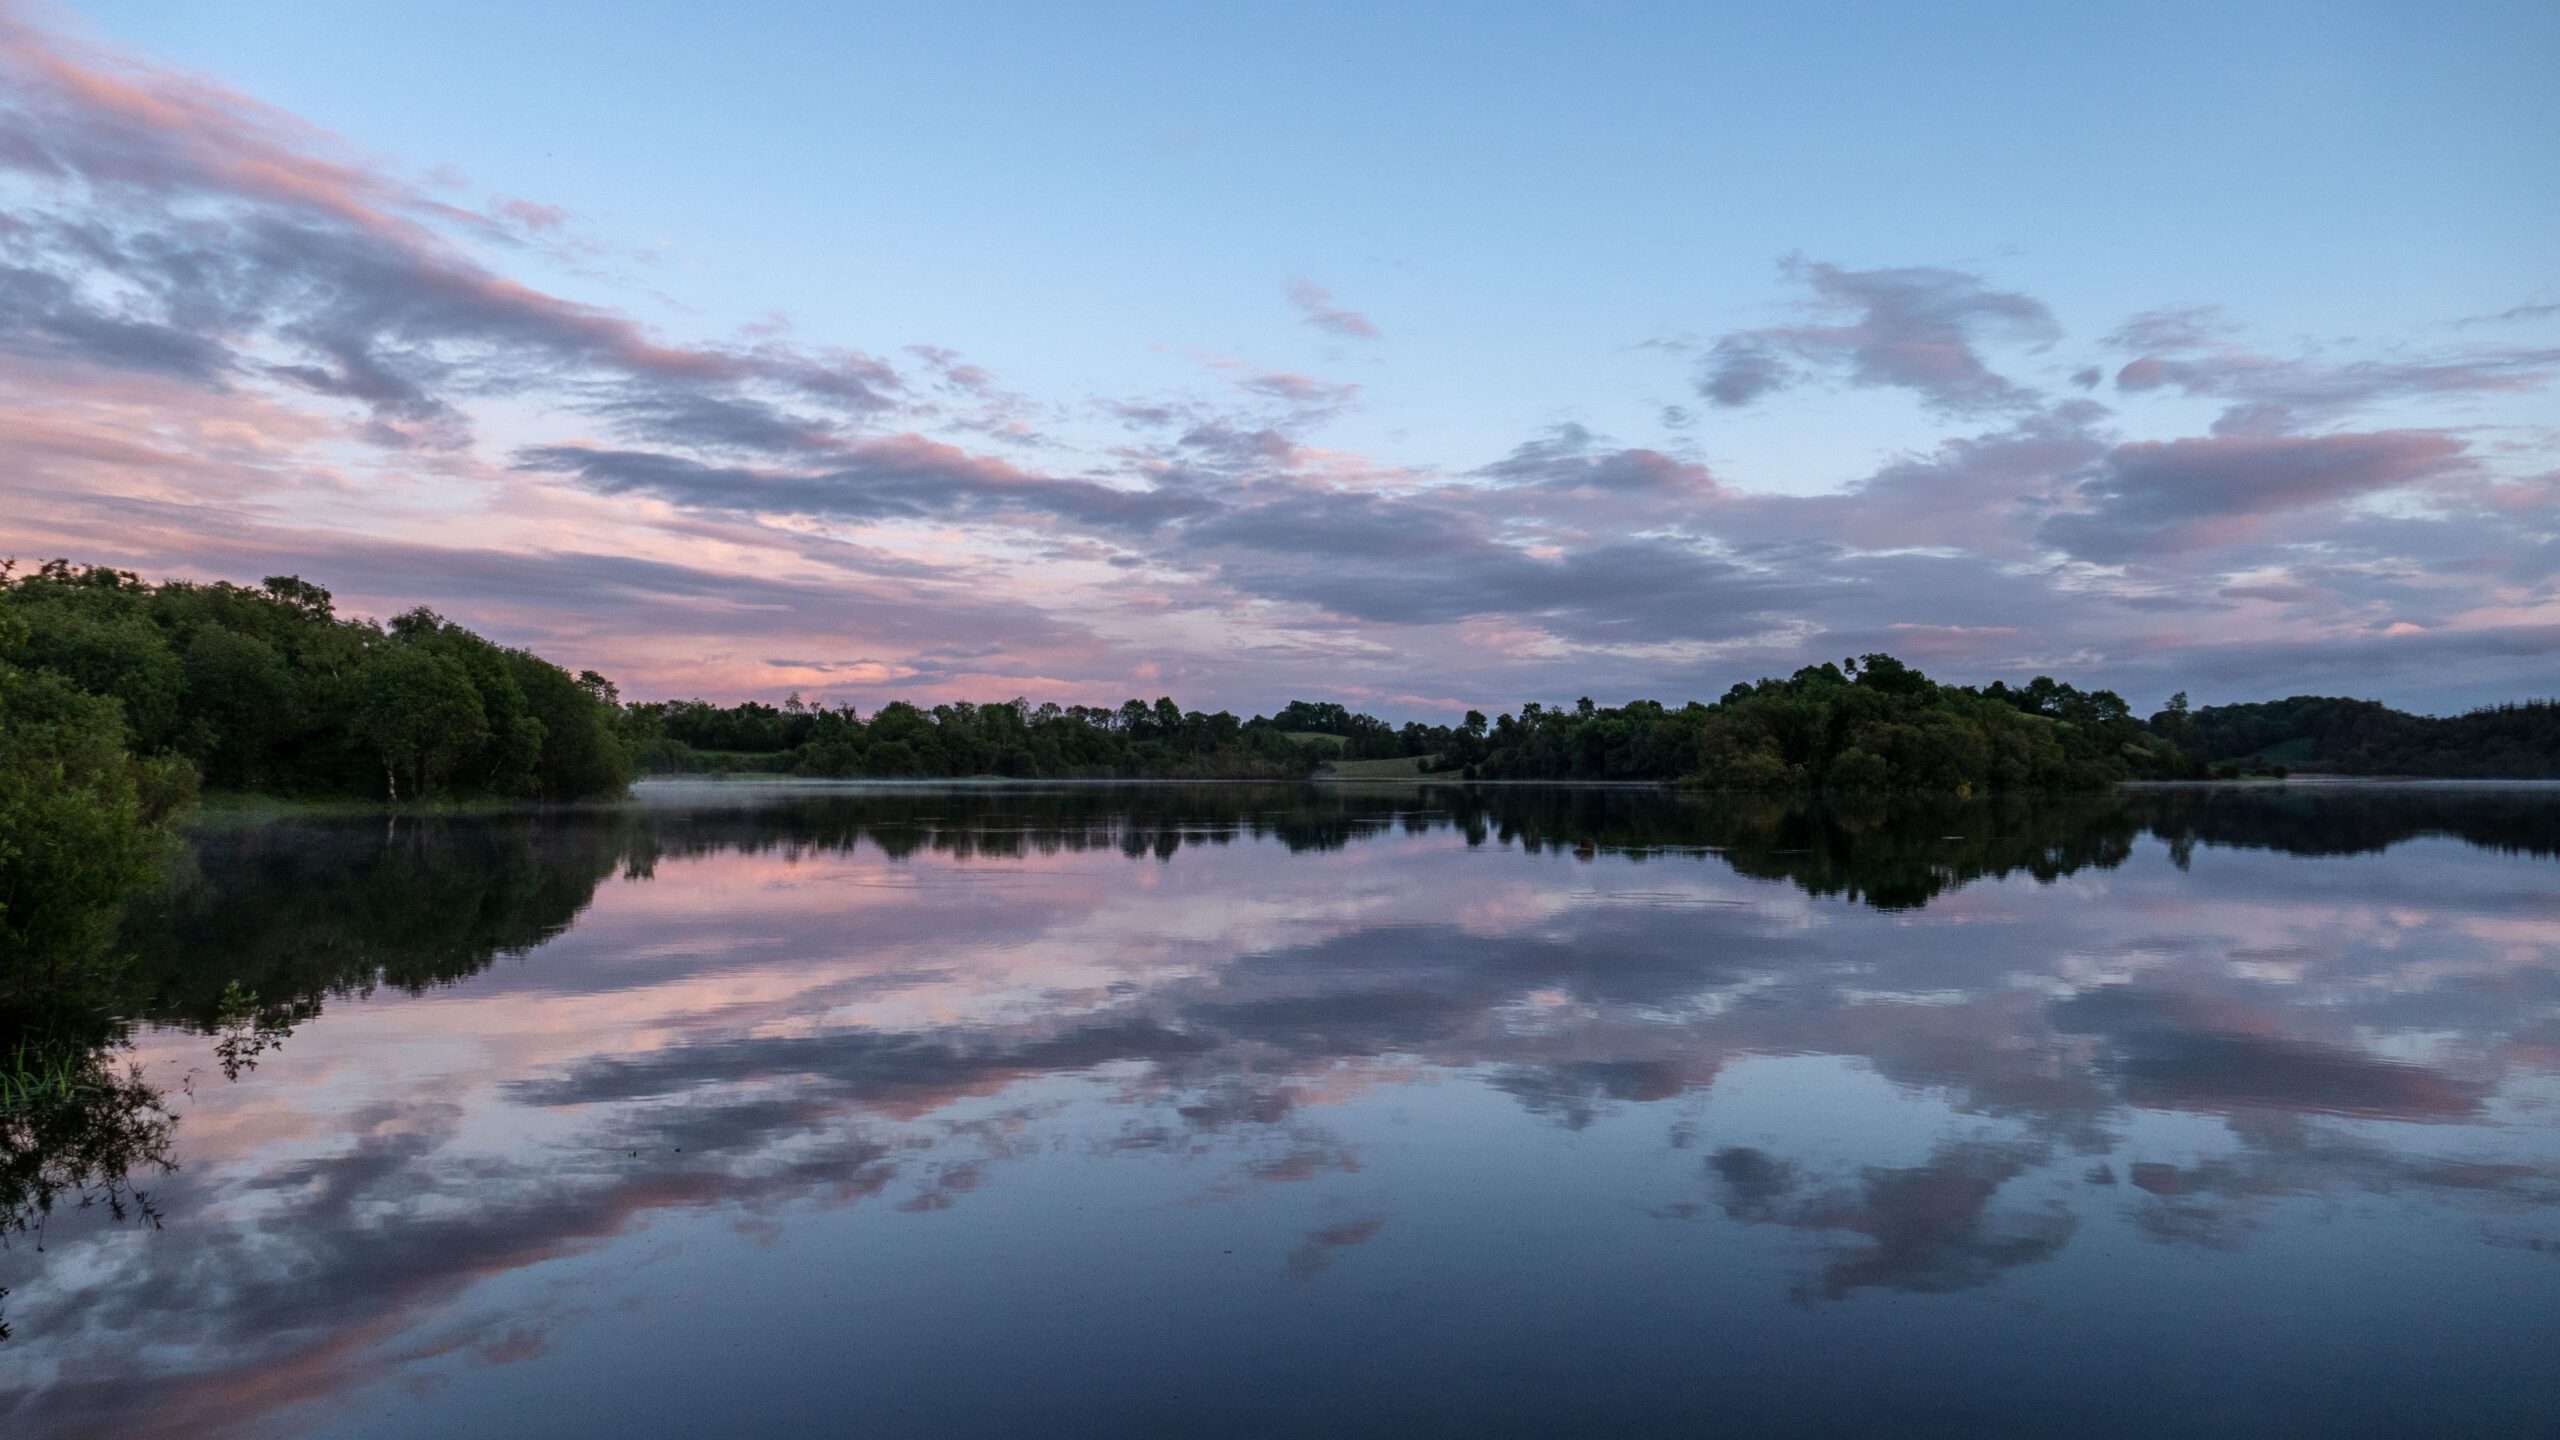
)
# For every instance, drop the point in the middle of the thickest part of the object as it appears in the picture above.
(389, 1230)
(1348, 554)
(903, 476)
(1305, 391)
(1315, 1255)
(1231, 445)
(708, 421)
(2179, 351)
(47, 316)
(955, 372)
(2187, 328)
(2159, 497)
(1977, 494)
(230, 241)
(1926, 1228)
(1743, 368)
(1570, 457)
(2501, 661)
(877, 1069)
(1915, 327)
(2513, 313)
(2169, 1053)
(1145, 415)
(571, 605)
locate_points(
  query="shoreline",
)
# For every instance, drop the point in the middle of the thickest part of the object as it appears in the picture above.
(234, 806)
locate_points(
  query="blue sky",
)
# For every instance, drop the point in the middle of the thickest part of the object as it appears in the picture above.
(1527, 223)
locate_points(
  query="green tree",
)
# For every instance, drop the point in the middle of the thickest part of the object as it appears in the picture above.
(417, 711)
(240, 696)
(82, 822)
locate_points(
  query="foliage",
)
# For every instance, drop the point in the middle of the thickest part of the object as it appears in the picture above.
(1013, 739)
(73, 1122)
(115, 696)
(1869, 725)
(1873, 725)
(268, 689)
(2363, 737)
(81, 823)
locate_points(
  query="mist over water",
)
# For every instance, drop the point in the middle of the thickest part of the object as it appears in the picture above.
(1299, 1110)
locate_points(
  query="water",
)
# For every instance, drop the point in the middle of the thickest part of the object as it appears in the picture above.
(1337, 1112)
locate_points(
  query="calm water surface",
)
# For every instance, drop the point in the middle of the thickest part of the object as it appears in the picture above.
(1338, 1112)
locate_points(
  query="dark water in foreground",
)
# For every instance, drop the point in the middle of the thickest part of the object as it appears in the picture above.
(1342, 1112)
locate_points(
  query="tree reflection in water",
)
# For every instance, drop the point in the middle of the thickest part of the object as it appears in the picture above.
(2028, 1036)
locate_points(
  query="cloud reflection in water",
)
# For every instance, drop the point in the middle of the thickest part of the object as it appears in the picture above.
(1893, 1051)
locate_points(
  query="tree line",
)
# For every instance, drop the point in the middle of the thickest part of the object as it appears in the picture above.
(1012, 739)
(2333, 735)
(1872, 724)
(268, 689)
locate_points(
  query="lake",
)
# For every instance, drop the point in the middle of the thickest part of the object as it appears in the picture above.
(1329, 1111)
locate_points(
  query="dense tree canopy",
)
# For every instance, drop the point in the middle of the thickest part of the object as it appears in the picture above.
(2360, 737)
(1868, 725)
(1873, 725)
(267, 689)
(81, 822)
(1013, 739)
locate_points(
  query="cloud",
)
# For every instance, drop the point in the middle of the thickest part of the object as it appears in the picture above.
(228, 340)
(1316, 1253)
(1304, 391)
(1262, 446)
(1316, 303)
(1343, 552)
(533, 215)
(955, 372)
(2157, 497)
(1927, 1228)
(1980, 495)
(2190, 352)
(2506, 661)
(900, 476)
(167, 225)
(2170, 1052)
(1569, 457)
(1915, 328)
(45, 316)
(298, 1270)
(2532, 310)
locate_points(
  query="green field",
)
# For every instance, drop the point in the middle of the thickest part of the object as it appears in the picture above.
(1402, 767)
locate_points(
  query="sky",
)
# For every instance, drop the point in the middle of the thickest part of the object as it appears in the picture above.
(1418, 357)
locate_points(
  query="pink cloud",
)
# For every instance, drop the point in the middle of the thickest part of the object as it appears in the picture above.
(1316, 303)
